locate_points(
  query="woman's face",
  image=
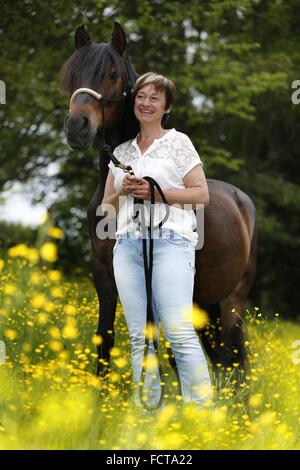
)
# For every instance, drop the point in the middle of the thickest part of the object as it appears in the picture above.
(150, 105)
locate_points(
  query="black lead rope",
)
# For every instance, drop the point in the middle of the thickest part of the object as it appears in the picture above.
(147, 232)
(151, 329)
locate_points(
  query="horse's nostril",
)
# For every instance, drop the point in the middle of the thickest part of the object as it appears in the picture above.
(85, 123)
(77, 125)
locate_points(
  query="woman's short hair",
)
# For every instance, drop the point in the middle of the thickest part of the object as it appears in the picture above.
(160, 83)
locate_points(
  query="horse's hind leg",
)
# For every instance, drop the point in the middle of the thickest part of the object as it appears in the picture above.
(211, 339)
(224, 338)
(210, 336)
(232, 333)
(106, 332)
(232, 345)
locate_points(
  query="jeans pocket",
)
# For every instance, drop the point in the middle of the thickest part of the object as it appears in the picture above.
(178, 241)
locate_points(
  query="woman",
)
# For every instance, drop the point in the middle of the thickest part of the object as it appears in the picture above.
(170, 158)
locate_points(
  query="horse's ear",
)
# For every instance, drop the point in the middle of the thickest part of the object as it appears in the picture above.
(118, 39)
(82, 38)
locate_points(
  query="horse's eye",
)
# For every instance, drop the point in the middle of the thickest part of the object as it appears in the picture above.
(114, 75)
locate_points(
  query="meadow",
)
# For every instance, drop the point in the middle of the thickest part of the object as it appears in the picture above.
(50, 397)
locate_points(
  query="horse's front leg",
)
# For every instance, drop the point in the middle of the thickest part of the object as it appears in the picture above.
(107, 296)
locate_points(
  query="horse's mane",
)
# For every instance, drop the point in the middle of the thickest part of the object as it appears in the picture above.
(90, 64)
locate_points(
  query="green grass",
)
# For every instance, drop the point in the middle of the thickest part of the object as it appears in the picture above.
(51, 399)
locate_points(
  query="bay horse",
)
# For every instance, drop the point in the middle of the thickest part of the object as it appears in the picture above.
(225, 266)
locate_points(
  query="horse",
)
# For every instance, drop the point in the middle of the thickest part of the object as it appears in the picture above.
(226, 264)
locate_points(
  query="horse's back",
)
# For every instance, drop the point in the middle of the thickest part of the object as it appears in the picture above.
(229, 227)
(241, 199)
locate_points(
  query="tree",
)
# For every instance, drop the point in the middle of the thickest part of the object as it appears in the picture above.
(233, 62)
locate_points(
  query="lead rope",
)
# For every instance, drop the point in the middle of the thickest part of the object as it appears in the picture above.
(151, 329)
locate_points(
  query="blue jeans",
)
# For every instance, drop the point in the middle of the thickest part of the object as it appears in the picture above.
(172, 287)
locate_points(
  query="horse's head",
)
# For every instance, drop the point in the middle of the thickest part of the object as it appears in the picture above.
(98, 78)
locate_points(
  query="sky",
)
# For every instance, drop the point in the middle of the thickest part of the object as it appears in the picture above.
(16, 206)
(16, 203)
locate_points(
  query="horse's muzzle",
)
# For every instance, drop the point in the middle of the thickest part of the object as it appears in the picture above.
(79, 131)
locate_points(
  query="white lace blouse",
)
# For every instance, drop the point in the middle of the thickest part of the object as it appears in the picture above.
(167, 160)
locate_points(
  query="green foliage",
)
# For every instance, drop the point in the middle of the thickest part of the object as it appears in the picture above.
(14, 233)
(233, 62)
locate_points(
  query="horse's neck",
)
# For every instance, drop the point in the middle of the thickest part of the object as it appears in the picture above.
(127, 129)
(113, 139)
(103, 171)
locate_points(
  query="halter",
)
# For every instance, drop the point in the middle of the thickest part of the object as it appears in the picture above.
(96, 95)
(101, 101)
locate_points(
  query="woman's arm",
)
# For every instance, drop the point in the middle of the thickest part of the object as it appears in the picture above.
(195, 191)
(111, 196)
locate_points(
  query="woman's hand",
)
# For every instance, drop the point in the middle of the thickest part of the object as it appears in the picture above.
(136, 187)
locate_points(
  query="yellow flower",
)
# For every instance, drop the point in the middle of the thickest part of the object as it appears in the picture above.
(150, 363)
(38, 301)
(97, 340)
(18, 250)
(69, 309)
(32, 255)
(1, 264)
(255, 400)
(115, 352)
(57, 292)
(121, 362)
(150, 331)
(141, 438)
(64, 355)
(48, 252)
(10, 334)
(165, 416)
(55, 232)
(55, 346)
(35, 278)
(42, 318)
(70, 330)
(54, 275)
(26, 347)
(9, 289)
(24, 251)
(197, 316)
(114, 377)
(54, 332)
(49, 306)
